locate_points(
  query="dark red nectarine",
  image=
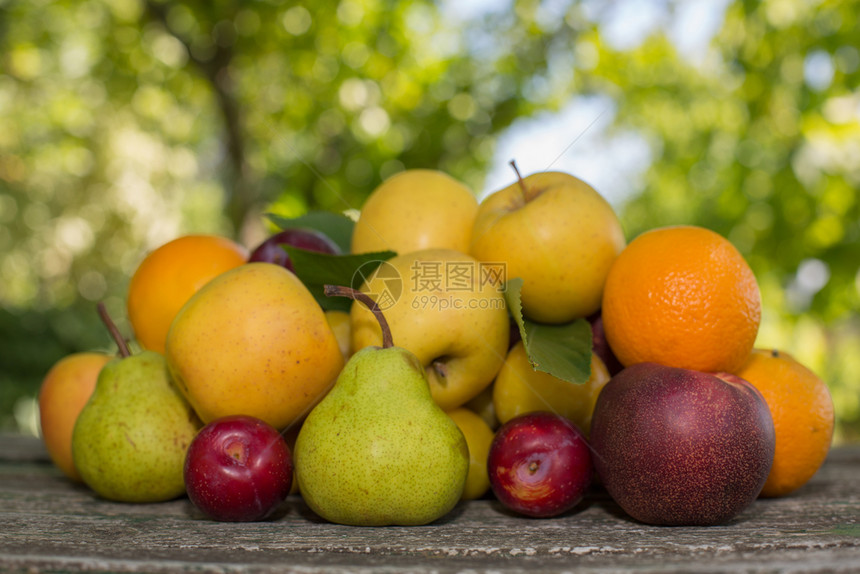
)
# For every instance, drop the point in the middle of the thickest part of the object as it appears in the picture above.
(680, 447)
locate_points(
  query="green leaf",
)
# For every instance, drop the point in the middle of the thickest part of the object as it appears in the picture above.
(319, 269)
(563, 351)
(513, 287)
(336, 226)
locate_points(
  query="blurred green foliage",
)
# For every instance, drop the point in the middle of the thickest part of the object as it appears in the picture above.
(128, 122)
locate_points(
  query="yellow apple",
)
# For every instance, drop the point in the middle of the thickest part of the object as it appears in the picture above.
(253, 341)
(482, 405)
(441, 306)
(520, 389)
(556, 233)
(416, 209)
(65, 390)
(479, 436)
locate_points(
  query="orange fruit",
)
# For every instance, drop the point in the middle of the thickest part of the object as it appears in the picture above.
(168, 277)
(802, 411)
(682, 296)
(65, 390)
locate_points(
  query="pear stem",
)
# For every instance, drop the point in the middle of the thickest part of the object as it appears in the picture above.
(523, 188)
(367, 301)
(114, 331)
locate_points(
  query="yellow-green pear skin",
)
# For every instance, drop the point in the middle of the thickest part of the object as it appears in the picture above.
(130, 440)
(378, 450)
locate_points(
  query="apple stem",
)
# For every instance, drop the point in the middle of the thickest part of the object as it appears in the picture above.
(367, 300)
(526, 195)
(114, 331)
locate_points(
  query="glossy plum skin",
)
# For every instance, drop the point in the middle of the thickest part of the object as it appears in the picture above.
(271, 250)
(238, 469)
(539, 465)
(679, 447)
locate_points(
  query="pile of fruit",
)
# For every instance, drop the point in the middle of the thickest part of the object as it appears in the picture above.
(438, 350)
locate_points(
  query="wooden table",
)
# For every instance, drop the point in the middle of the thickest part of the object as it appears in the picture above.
(48, 523)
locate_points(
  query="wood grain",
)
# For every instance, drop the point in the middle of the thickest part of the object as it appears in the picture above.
(48, 523)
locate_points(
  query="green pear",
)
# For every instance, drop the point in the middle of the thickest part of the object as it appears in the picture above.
(378, 450)
(130, 439)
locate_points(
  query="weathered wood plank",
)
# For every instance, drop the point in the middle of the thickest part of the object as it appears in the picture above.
(48, 523)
